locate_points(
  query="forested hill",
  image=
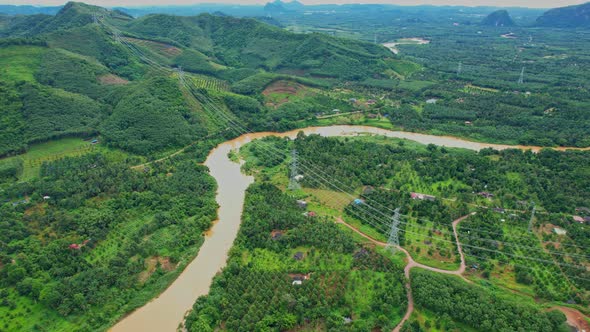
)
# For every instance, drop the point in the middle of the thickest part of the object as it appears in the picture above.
(499, 18)
(233, 42)
(72, 15)
(70, 66)
(239, 42)
(28, 10)
(566, 17)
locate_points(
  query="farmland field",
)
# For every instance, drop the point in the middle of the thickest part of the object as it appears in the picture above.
(54, 150)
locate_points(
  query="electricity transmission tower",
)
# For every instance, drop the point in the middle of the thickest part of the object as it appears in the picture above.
(459, 68)
(532, 216)
(521, 79)
(393, 241)
(117, 36)
(293, 183)
(180, 73)
(94, 18)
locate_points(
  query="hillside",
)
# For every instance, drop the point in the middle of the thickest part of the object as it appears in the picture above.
(279, 7)
(28, 10)
(566, 17)
(72, 15)
(106, 122)
(224, 40)
(249, 43)
(69, 59)
(499, 18)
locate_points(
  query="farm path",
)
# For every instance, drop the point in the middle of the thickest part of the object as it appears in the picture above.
(575, 318)
(412, 263)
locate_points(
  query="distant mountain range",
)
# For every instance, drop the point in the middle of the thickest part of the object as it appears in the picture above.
(499, 18)
(74, 69)
(566, 17)
(279, 6)
(28, 10)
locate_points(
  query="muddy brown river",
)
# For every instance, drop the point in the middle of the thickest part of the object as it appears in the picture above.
(165, 313)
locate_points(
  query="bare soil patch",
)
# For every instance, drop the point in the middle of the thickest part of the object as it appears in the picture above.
(152, 263)
(280, 92)
(163, 48)
(287, 87)
(110, 79)
(575, 318)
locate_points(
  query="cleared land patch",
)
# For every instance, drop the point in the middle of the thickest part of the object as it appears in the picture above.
(18, 63)
(110, 79)
(282, 92)
(158, 47)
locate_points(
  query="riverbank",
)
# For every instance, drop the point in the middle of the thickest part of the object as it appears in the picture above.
(166, 312)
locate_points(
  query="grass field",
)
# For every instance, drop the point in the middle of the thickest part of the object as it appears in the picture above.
(473, 89)
(432, 322)
(23, 314)
(405, 68)
(353, 119)
(208, 83)
(541, 275)
(415, 85)
(161, 49)
(332, 199)
(54, 150)
(109, 247)
(431, 247)
(18, 63)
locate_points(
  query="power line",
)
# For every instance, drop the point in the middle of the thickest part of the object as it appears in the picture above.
(528, 267)
(166, 70)
(380, 212)
(393, 241)
(180, 73)
(519, 236)
(294, 173)
(521, 78)
(464, 245)
(530, 228)
(470, 246)
(238, 130)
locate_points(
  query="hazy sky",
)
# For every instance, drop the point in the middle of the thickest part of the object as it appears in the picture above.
(133, 3)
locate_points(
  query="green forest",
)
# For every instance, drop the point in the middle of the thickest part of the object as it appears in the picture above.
(83, 239)
(459, 180)
(107, 118)
(500, 187)
(477, 307)
(343, 286)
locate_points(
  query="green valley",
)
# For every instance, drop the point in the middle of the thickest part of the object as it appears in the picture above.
(401, 168)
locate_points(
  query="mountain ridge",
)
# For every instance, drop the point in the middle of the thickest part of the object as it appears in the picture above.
(566, 17)
(499, 18)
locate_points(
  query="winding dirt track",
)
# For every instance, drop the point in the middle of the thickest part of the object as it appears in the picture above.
(412, 263)
(185, 287)
(574, 317)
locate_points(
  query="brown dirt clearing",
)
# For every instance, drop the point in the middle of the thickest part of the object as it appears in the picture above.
(110, 79)
(152, 263)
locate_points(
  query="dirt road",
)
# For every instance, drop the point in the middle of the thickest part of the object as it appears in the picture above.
(575, 318)
(412, 263)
